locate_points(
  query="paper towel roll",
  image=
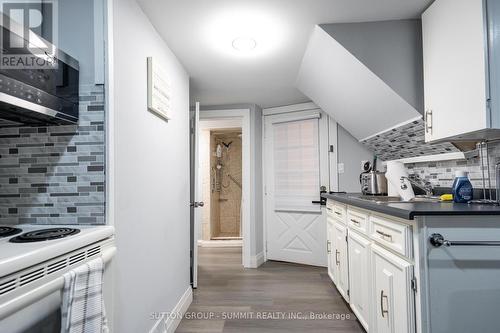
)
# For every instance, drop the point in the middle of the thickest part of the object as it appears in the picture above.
(396, 170)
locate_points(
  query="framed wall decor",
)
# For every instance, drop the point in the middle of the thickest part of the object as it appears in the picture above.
(159, 91)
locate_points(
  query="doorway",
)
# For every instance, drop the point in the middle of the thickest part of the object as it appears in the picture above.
(231, 223)
(224, 167)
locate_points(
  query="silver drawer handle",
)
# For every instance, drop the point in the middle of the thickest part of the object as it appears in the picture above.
(437, 240)
(355, 222)
(428, 121)
(383, 234)
(382, 310)
(328, 247)
(328, 209)
(337, 261)
(338, 213)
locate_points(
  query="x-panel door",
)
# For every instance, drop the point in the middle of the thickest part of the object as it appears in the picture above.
(296, 167)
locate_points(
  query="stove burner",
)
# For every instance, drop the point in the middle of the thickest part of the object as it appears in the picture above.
(8, 231)
(44, 235)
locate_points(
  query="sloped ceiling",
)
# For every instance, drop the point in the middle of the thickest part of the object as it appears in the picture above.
(392, 50)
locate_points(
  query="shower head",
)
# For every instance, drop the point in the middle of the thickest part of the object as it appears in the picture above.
(227, 145)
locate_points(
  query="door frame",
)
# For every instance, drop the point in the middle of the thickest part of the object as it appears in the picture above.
(328, 144)
(246, 193)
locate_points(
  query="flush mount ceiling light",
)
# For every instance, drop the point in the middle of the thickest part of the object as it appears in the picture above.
(244, 32)
(244, 44)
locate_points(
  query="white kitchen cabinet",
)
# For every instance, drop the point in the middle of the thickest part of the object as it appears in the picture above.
(392, 294)
(339, 252)
(359, 277)
(329, 247)
(458, 70)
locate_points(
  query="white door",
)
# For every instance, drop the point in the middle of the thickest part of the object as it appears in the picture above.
(341, 261)
(296, 167)
(359, 277)
(392, 295)
(198, 202)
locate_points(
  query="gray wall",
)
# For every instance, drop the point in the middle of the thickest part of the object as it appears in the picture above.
(151, 203)
(391, 49)
(350, 152)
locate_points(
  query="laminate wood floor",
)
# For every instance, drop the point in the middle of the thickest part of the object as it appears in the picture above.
(276, 297)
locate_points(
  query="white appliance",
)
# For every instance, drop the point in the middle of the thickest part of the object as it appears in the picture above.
(33, 259)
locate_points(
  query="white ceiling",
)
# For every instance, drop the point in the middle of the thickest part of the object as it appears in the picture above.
(267, 76)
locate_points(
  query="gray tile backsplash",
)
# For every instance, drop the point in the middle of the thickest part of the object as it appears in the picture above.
(56, 174)
(409, 141)
(442, 173)
(405, 141)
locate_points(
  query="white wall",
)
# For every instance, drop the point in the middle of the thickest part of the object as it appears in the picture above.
(151, 177)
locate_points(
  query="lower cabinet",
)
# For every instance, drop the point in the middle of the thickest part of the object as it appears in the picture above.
(329, 247)
(339, 252)
(392, 294)
(359, 277)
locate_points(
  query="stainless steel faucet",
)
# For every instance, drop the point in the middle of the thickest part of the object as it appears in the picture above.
(417, 182)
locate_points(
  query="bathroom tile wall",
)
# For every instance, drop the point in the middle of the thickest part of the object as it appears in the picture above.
(56, 174)
(226, 203)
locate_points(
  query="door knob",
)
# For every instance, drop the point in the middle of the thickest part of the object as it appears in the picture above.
(197, 204)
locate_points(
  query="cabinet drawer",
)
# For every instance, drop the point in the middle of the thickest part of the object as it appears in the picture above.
(336, 210)
(391, 234)
(357, 220)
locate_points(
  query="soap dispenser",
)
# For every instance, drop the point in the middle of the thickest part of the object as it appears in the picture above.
(462, 188)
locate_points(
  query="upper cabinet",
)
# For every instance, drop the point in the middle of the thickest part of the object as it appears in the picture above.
(461, 70)
(368, 76)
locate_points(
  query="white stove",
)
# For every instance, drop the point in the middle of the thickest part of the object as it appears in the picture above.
(28, 246)
(33, 259)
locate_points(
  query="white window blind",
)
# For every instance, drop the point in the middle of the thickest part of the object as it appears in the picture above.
(296, 165)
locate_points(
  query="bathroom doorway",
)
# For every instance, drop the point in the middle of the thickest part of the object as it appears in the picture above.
(225, 194)
(222, 151)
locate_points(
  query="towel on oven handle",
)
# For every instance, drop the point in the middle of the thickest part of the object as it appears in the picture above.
(82, 307)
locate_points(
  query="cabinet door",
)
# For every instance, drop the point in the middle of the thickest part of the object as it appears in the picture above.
(359, 277)
(392, 295)
(329, 249)
(340, 257)
(454, 68)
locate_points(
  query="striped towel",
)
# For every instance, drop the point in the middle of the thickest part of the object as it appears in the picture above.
(82, 309)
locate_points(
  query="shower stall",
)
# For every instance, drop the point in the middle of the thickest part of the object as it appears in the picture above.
(225, 184)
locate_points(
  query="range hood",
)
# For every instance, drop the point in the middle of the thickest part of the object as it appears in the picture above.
(37, 96)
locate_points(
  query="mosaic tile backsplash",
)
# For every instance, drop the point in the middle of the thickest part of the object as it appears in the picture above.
(405, 141)
(442, 173)
(55, 174)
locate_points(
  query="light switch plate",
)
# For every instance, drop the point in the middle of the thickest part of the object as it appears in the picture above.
(340, 168)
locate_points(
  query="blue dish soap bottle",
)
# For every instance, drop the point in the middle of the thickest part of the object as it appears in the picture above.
(462, 188)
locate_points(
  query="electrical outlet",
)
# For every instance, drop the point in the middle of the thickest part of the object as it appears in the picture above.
(340, 168)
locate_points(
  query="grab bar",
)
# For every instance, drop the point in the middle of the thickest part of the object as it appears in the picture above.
(437, 240)
(34, 295)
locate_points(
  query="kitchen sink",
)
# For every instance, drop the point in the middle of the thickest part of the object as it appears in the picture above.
(383, 199)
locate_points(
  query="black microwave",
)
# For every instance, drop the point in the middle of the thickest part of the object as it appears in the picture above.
(40, 96)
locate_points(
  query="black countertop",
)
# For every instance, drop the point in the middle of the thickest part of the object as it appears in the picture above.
(408, 210)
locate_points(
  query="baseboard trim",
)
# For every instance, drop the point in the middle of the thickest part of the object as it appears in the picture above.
(256, 261)
(171, 322)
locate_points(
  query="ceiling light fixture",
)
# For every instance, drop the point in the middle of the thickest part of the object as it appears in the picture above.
(244, 32)
(244, 44)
